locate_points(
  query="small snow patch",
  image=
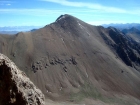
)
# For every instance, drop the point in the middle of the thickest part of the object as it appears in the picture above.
(80, 25)
(62, 40)
(88, 33)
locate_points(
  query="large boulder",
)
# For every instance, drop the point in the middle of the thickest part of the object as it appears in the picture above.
(15, 87)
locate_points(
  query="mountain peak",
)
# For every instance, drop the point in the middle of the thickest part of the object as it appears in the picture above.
(63, 17)
(68, 21)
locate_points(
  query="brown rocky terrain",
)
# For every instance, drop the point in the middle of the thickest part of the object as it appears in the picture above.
(70, 60)
(15, 87)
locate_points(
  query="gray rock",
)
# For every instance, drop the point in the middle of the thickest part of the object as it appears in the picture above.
(15, 87)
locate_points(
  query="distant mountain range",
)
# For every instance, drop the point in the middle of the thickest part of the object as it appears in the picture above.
(9, 32)
(133, 32)
(16, 29)
(123, 26)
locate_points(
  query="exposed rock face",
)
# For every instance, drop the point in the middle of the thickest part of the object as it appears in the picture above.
(15, 87)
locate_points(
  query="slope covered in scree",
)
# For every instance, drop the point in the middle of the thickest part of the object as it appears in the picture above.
(15, 87)
(72, 60)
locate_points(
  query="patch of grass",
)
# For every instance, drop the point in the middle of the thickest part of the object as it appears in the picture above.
(119, 101)
(86, 91)
(89, 91)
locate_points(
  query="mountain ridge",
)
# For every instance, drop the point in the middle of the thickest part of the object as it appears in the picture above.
(133, 33)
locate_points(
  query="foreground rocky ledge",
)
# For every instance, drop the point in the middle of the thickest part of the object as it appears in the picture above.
(15, 87)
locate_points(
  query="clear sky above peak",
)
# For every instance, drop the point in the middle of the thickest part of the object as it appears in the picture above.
(43, 12)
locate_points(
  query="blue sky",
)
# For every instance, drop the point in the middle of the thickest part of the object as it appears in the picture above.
(43, 12)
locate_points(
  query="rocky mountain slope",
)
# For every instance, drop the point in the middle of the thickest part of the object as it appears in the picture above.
(15, 87)
(124, 47)
(70, 60)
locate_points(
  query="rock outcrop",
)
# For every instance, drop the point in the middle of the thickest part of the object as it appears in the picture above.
(15, 87)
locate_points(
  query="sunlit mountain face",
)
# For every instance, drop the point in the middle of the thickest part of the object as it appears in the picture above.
(69, 59)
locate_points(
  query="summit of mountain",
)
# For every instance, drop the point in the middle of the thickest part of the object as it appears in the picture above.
(70, 60)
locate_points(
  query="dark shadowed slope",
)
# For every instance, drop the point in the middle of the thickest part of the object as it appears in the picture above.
(70, 59)
(124, 47)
